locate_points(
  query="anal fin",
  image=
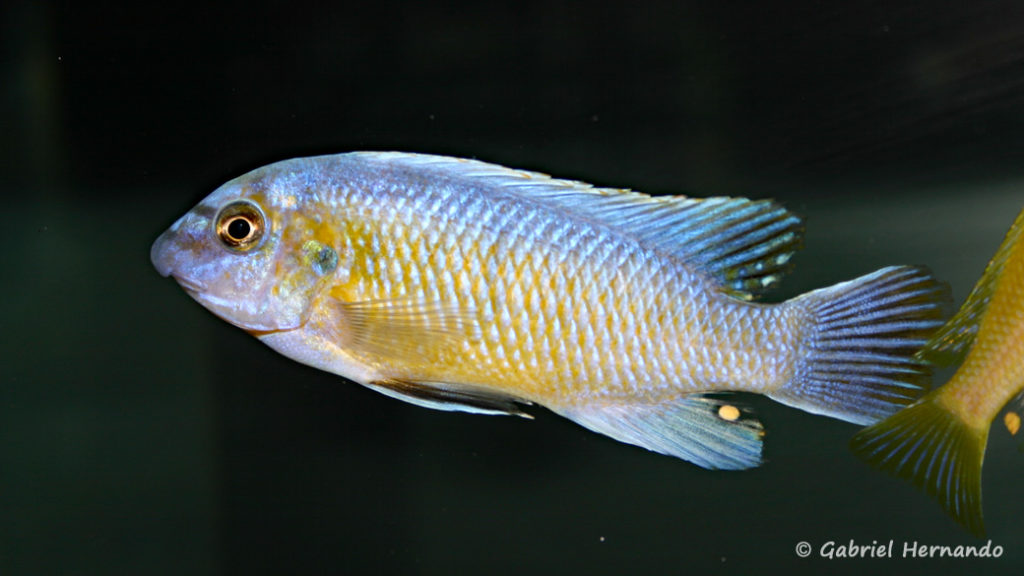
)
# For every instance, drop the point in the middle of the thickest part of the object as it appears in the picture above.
(1012, 418)
(709, 431)
(450, 397)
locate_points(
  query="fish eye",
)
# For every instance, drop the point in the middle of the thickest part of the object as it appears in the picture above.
(240, 226)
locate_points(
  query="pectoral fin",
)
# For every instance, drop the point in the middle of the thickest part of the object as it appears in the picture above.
(450, 397)
(709, 431)
(404, 329)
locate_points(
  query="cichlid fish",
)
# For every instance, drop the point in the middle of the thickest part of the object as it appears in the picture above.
(460, 285)
(938, 443)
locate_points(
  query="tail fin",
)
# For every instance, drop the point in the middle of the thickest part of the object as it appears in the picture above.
(934, 449)
(859, 363)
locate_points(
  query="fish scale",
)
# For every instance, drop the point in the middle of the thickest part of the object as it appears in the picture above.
(585, 254)
(460, 285)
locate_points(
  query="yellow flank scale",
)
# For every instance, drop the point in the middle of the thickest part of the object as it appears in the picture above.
(939, 442)
(460, 285)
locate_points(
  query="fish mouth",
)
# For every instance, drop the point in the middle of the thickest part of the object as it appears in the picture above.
(190, 286)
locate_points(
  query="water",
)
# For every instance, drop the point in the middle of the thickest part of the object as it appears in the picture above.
(142, 435)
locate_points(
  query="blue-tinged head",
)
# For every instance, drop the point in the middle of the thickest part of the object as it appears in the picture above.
(253, 251)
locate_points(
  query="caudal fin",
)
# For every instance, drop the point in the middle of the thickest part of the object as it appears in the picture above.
(859, 364)
(934, 449)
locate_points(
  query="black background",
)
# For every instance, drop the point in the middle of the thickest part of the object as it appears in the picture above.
(139, 434)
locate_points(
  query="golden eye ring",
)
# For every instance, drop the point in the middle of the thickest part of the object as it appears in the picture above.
(241, 226)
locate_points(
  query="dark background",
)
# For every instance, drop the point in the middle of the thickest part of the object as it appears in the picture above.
(141, 435)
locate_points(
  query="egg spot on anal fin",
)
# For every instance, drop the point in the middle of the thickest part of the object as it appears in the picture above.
(728, 412)
(1012, 422)
(703, 429)
(1012, 417)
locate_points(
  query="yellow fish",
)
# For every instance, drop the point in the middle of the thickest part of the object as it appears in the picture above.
(460, 285)
(939, 442)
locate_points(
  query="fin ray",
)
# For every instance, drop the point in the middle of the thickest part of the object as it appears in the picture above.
(450, 397)
(936, 451)
(406, 327)
(860, 364)
(692, 428)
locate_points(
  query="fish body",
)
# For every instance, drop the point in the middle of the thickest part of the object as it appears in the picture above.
(939, 442)
(461, 285)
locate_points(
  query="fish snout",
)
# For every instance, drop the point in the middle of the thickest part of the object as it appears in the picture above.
(161, 254)
(174, 254)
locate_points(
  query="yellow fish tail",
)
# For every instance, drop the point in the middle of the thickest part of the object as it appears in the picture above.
(934, 449)
(859, 363)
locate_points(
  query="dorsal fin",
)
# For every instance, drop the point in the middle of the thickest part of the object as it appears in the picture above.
(950, 343)
(745, 245)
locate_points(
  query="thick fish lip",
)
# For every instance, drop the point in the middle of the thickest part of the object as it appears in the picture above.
(159, 256)
(162, 257)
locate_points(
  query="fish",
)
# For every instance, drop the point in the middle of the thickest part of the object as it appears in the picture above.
(460, 285)
(938, 443)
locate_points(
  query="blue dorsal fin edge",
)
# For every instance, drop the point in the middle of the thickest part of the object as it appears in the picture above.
(743, 246)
